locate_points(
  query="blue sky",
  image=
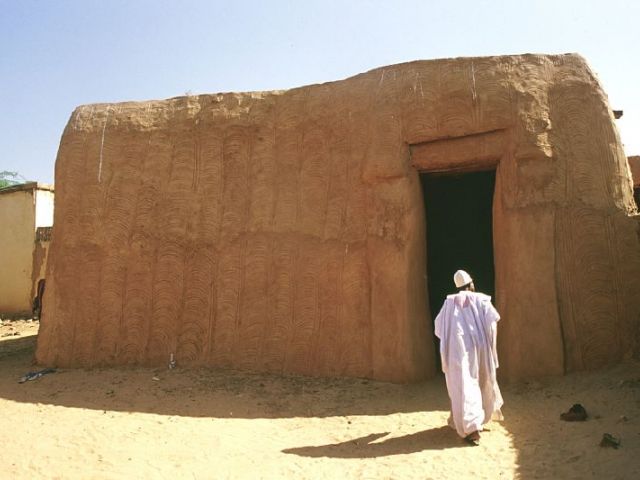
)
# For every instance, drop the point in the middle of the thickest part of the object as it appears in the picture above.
(56, 55)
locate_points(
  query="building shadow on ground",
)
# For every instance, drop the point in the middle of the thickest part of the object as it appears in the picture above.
(209, 392)
(15, 346)
(546, 447)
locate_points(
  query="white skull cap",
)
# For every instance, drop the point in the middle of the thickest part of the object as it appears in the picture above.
(462, 278)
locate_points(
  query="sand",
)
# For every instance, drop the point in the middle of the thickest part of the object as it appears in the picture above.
(119, 423)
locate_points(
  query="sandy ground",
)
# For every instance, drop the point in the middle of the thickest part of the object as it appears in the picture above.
(144, 423)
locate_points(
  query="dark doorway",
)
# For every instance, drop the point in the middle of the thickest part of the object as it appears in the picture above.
(459, 232)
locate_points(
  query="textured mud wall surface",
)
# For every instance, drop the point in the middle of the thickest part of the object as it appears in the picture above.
(16, 248)
(231, 230)
(285, 231)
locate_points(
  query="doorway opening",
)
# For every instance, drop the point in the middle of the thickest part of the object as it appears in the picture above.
(459, 233)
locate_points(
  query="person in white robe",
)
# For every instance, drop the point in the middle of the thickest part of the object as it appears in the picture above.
(467, 329)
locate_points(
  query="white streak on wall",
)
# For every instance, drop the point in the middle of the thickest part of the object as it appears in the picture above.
(381, 79)
(75, 125)
(473, 80)
(104, 128)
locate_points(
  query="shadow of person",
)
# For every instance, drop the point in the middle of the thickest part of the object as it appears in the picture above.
(438, 438)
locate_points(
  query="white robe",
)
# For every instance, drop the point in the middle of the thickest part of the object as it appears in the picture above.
(467, 328)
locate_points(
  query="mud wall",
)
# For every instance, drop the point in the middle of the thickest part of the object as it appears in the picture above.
(285, 231)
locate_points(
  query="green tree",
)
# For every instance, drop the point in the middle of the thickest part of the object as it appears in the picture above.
(7, 179)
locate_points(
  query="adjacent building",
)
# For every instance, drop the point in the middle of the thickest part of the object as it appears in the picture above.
(26, 216)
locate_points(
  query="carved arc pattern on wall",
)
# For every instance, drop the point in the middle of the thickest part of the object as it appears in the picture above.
(278, 230)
